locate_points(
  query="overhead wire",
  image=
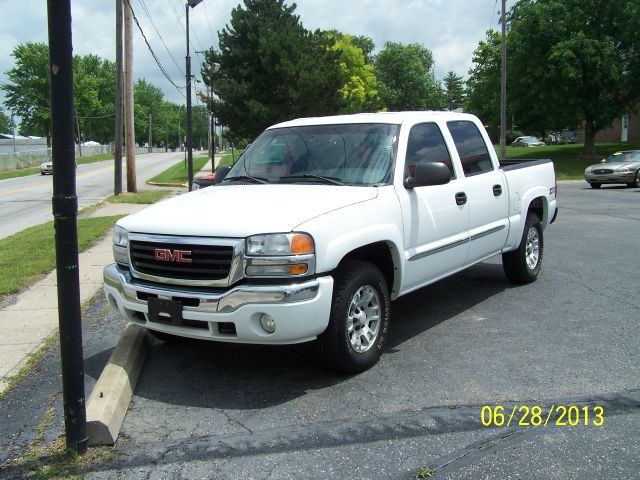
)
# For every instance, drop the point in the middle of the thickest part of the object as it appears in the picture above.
(146, 10)
(153, 54)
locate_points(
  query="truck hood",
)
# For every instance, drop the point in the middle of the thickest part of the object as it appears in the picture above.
(243, 210)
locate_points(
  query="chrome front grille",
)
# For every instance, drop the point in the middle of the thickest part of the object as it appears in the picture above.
(603, 171)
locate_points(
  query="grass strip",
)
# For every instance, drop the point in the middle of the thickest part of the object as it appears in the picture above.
(568, 159)
(177, 175)
(29, 254)
(144, 197)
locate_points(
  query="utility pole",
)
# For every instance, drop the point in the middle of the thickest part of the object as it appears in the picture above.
(150, 133)
(503, 88)
(65, 213)
(129, 127)
(117, 171)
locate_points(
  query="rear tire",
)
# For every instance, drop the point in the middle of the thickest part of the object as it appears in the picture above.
(359, 320)
(523, 264)
(636, 181)
(595, 185)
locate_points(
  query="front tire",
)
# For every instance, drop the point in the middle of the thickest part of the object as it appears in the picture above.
(523, 264)
(595, 185)
(359, 320)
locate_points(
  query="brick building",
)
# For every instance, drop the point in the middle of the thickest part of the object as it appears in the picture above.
(627, 126)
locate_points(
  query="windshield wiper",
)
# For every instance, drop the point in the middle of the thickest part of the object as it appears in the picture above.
(331, 180)
(244, 178)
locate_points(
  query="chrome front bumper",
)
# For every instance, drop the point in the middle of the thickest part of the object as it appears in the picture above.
(301, 310)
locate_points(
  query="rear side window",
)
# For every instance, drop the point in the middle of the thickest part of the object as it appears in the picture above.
(471, 148)
(426, 144)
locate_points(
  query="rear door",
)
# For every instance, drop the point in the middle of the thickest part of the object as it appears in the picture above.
(485, 189)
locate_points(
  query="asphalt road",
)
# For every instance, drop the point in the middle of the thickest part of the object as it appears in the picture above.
(218, 411)
(26, 201)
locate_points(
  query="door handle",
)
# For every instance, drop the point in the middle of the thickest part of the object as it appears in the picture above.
(461, 198)
(497, 190)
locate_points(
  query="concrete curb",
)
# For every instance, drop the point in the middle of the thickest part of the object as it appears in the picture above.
(157, 184)
(110, 398)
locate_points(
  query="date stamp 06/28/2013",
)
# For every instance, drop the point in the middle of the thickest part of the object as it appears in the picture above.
(539, 416)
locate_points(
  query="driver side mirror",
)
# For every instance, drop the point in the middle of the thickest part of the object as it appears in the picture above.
(426, 174)
(221, 173)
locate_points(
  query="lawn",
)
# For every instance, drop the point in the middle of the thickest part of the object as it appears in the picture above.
(177, 175)
(29, 254)
(228, 158)
(567, 159)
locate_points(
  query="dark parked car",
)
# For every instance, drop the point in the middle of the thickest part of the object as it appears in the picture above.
(621, 167)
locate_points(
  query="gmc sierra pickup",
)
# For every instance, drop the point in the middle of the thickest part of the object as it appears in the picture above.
(321, 224)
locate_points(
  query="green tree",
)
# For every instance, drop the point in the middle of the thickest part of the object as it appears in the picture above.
(6, 125)
(405, 78)
(147, 100)
(483, 85)
(365, 44)
(574, 62)
(27, 91)
(272, 69)
(94, 97)
(359, 88)
(453, 91)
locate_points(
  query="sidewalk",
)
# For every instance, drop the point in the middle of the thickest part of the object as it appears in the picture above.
(26, 323)
(33, 317)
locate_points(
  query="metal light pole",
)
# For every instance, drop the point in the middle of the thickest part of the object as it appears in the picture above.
(65, 213)
(189, 4)
(215, 68)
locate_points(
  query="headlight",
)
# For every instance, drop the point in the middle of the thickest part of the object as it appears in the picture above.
(588, 170)
(625, 170)
(120, 245)
(120, 236)
(280, 244)
(195, 186)
(280, 255)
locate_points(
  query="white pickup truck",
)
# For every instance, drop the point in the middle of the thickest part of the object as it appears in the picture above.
(321, 224)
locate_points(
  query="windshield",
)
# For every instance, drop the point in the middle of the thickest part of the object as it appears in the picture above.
(355, 154)
(621, 157)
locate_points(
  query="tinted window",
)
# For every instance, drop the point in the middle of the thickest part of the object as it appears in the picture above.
(426, 144)
(471, 148)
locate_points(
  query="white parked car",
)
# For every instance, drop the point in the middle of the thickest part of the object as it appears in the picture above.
(528, 141)
(46, 167)
(332, 219)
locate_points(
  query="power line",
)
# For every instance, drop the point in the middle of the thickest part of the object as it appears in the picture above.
(153, 54)
(101, 116)
(146, 10)
(213, 37)
(181, 21)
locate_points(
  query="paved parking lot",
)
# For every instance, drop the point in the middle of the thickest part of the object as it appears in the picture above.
(208, 410)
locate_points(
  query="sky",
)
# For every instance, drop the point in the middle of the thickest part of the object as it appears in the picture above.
(451, 29)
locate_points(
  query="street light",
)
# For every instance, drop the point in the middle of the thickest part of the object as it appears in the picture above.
(189, 4)
(215, 68)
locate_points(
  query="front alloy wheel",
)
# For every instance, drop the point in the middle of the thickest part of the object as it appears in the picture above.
(359, 319)
(363, 319)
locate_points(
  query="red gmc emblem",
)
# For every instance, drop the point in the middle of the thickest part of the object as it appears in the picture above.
(166, 255)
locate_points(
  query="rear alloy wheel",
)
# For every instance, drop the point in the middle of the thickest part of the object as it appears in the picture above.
(359, 320)
(636, 181)
(595, 185)
(523, 264)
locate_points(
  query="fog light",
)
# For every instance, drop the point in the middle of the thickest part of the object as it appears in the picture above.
(268, 323)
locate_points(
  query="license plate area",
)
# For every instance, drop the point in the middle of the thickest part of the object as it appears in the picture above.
(164, 311)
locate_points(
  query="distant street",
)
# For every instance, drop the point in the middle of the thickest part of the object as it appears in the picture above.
(26, 201)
